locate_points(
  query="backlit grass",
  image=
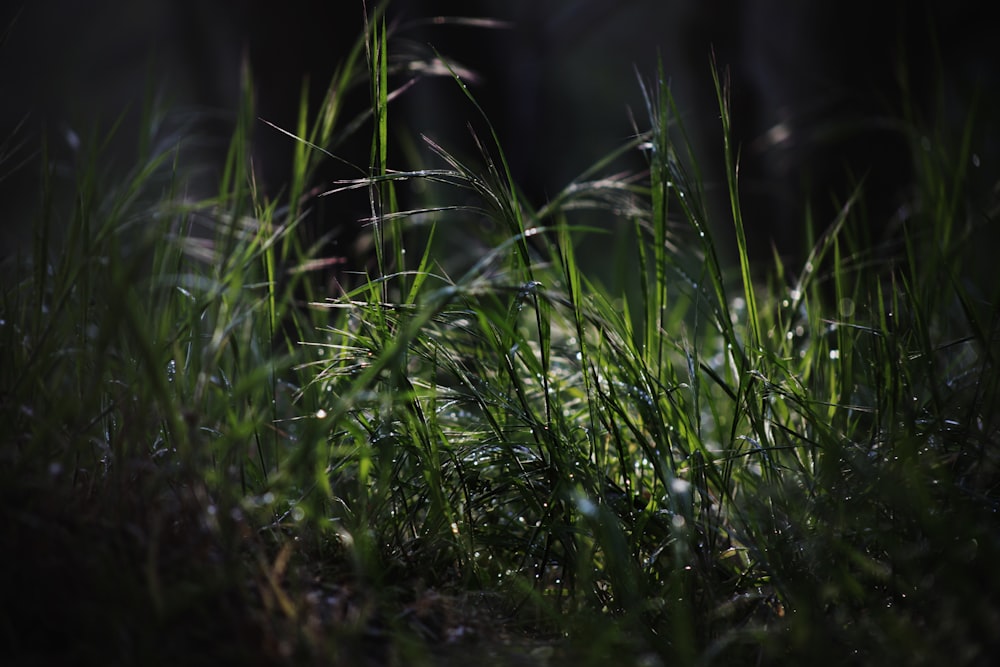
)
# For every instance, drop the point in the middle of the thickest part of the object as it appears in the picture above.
(492, 455)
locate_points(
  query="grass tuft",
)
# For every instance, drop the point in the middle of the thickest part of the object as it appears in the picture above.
(493, 453)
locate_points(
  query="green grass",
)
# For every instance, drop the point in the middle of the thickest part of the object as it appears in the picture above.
(494, 456)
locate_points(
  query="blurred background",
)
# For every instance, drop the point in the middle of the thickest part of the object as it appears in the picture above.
(818, 89)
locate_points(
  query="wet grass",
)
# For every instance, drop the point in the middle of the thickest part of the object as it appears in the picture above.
(491, 455)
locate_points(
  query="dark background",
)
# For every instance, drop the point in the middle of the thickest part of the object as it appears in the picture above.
(816, 87)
